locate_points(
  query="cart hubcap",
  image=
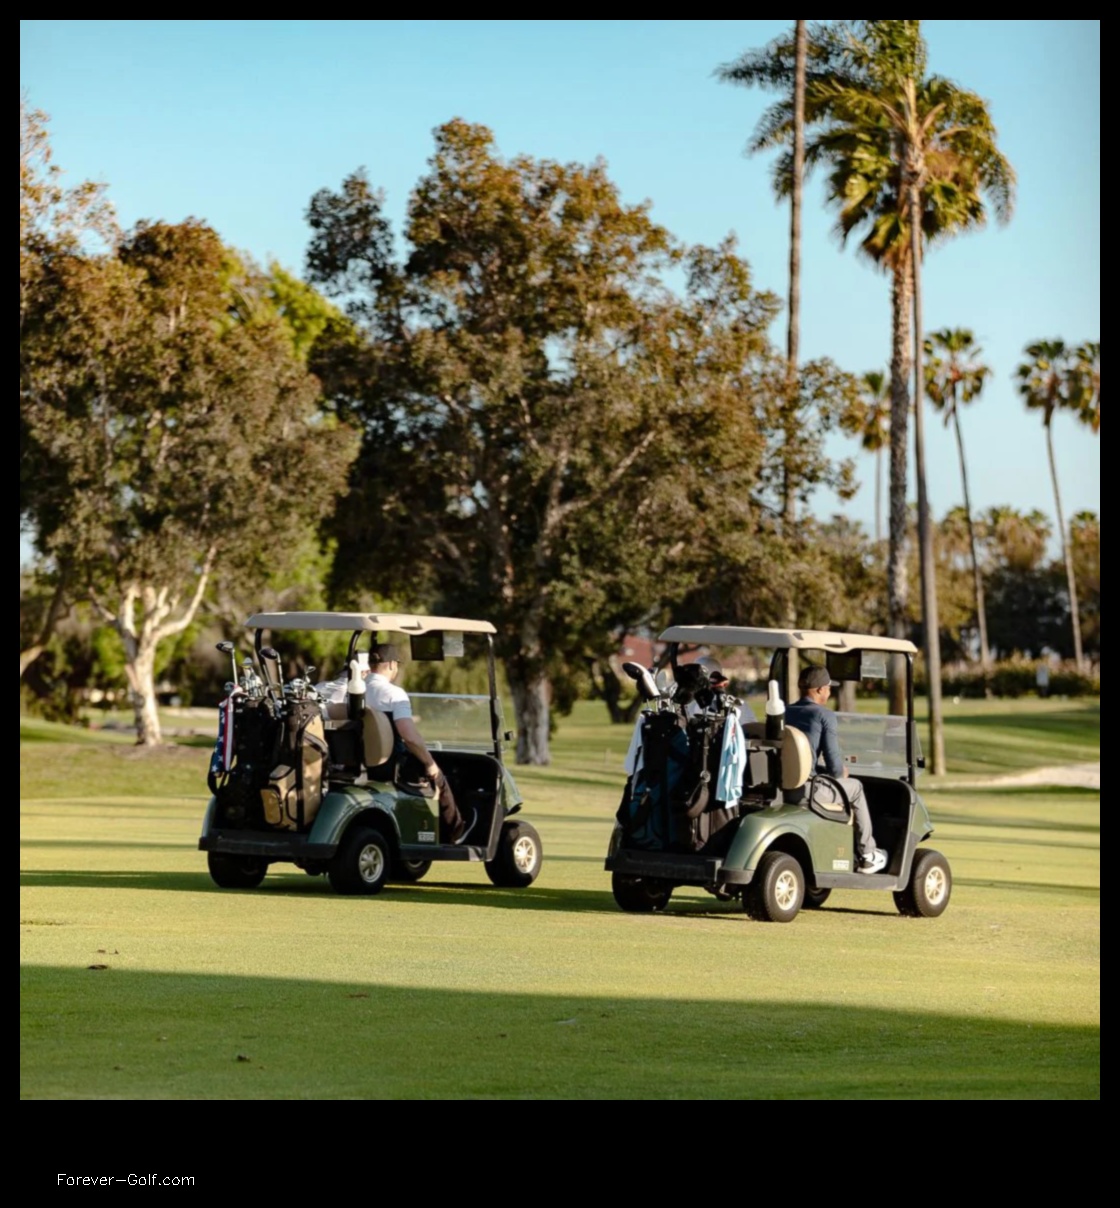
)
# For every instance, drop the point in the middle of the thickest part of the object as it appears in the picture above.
(785, 891)
(936, 885)
(524, 854)
(370, 863)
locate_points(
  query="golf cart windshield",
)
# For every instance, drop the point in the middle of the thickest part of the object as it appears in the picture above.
(453, 722)
(875, 745)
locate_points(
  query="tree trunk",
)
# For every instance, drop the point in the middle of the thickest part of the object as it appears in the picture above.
(532, 695)
(58, 606)
(608, 688)
(931, 629)
(141, 630)
(1067, 554)
(879, 496)
(977, 579)
(793, 334)
(140, 661)
(897, 581)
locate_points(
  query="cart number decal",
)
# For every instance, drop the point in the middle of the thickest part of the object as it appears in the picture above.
(426, 837)
(841, 865)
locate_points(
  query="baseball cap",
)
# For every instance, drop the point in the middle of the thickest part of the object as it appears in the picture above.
(712, 669)
(816, 677)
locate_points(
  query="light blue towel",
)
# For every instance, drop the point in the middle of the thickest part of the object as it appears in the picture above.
(732, 760)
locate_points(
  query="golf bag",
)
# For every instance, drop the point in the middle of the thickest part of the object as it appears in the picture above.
(250, 740)
(294, 791)
(267, 766)
(695, 795)
(647, 813)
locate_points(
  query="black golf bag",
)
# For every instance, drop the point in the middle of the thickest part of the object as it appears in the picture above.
(267, 768)
(669, 802)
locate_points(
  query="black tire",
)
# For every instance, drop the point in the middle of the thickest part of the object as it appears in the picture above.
(361, 865)
(517, 862)
(931, 882)
(815, 898)
(777, 891)
(640, 895)
(411, 871)
(236, 872)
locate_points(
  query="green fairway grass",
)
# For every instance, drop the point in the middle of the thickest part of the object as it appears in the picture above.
(141, 980)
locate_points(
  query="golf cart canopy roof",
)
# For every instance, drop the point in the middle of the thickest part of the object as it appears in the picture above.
(784, 639)
(374, 622)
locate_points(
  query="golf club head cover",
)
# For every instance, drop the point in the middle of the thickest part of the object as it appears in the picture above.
(647, 687)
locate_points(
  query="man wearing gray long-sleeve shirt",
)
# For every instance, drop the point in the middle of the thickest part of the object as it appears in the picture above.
(817, 722)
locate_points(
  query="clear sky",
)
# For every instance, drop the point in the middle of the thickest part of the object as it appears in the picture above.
(238, 123)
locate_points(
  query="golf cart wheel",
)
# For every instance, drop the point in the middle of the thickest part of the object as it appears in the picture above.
(235, 872)
(931, 882)
(411, 870)
(517, 861)
(815, 898)
(361, 864)
(777, 891)
(640, 895)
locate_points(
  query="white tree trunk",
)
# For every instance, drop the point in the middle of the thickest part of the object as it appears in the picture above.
(140, 671)
(145, 617)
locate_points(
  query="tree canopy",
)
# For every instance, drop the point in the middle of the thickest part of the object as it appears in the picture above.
(168, 425)
(554, 437)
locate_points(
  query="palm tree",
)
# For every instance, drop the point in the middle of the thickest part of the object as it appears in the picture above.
(911, 158)
(869, 418)
(1056, 378)
(953, 380)
(1088, 372)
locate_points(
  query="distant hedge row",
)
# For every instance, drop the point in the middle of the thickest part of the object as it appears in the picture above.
(1016, 677)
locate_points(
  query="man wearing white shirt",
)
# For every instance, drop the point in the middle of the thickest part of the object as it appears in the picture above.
(385, 696)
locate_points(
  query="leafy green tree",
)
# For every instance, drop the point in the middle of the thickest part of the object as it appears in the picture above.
(553, 438)
(1056, 378)
(955, 588)
(173, 429)
(1015, 539)
(954, 378)
(1027, 612)
(54, 220)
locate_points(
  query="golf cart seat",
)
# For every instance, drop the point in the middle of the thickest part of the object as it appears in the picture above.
(784, 763)
(797, 759)
(352, 747)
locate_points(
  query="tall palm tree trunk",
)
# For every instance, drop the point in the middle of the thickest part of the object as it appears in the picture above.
(977, 578)
(931, 629)
(793, 333)
(1067, 554)
(878, 496)
(898, 587)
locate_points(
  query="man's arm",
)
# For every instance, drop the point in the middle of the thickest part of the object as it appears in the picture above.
(830, 745)
(410, 736)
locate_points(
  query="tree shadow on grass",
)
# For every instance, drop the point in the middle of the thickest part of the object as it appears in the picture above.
(293, 883)
(107, 1032)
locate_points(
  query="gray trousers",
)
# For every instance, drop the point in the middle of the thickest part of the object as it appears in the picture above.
(830, 789)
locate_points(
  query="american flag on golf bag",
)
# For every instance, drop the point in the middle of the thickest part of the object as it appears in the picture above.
(222, 759)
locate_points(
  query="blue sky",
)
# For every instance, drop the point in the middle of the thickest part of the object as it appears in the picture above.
(238, 123)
